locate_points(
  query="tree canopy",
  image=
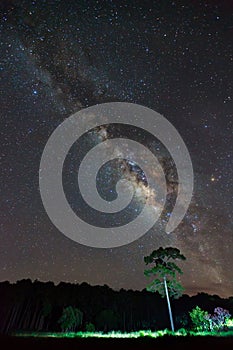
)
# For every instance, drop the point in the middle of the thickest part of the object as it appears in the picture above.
(164, 268)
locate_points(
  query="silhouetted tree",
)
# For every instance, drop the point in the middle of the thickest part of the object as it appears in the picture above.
(107, 320)
(165, 271)
(71, 319)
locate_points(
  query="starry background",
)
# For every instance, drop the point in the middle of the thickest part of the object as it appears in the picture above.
(172, 56)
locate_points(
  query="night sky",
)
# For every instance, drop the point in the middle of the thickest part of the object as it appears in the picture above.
(175, 57)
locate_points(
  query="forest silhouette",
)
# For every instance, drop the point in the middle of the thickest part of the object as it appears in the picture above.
(38, 306)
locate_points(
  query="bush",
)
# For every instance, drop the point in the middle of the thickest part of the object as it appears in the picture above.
(182, 331)
(199, 319)
(218, 321)
(90, 327)
(229, 324)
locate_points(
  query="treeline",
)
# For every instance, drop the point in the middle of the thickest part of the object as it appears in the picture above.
(37, 306)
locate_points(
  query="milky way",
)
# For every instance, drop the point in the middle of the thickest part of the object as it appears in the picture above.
(58, 57)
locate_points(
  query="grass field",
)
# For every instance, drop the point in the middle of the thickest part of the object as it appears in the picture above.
(145, 340)
(134, 335)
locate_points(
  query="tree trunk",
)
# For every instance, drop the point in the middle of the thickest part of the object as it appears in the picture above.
(168, 303)
(124, 321)
(6, 320)
(131, 318)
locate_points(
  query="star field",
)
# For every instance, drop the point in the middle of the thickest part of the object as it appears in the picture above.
(173, 57)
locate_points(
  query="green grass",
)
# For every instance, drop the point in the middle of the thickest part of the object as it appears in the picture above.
(113, 334)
